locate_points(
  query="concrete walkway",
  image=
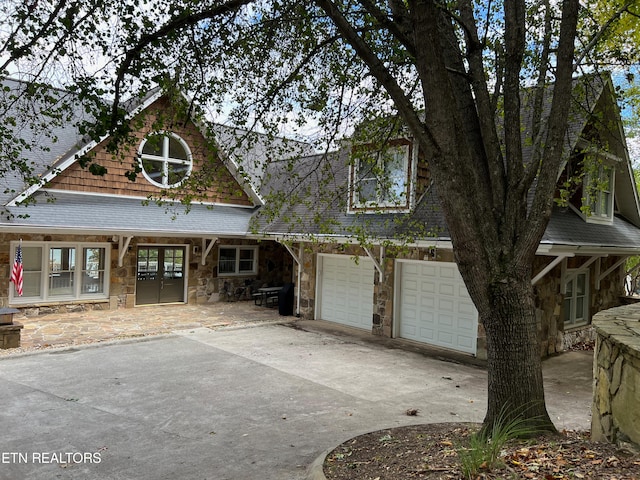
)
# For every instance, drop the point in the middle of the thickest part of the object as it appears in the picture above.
(235, 403)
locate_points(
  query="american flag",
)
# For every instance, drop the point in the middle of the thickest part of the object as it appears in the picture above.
(16, 271)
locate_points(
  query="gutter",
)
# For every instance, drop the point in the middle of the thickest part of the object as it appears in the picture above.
(330, 238)
(116, 231)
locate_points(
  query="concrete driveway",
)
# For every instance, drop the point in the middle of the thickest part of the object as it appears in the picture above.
(254, 403)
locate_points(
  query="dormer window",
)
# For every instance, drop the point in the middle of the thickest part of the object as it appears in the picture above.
(599, 193)
(165, 159)
(589, 184)
(381, 180)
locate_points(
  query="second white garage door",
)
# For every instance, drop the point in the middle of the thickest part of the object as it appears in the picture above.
(435, 307)
(345, 290)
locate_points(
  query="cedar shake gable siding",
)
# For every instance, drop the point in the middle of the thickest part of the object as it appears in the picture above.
(208, 168)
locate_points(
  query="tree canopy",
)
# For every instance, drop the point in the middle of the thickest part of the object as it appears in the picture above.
(454, 73)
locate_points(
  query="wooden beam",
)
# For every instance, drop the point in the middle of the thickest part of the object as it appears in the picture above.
(549, 267)
(377, 264)
(600, 276)
(291, 252)
(206, 248)
(123, 246)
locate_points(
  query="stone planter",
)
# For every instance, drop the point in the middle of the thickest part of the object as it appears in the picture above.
(10, 335)
(616, 393)
(9, 330)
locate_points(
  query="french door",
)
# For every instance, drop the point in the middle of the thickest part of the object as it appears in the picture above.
(160, 275)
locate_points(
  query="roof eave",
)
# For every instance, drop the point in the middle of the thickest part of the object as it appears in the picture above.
(554, 249)
(58, 230)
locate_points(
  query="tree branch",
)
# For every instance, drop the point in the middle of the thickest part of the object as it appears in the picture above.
(485, 108)
(557, 128)
(379, 72)
(596, 38)
(25, 49)
(174, 24)
(398, 26)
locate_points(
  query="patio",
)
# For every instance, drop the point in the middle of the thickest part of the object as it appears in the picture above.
(77, 328)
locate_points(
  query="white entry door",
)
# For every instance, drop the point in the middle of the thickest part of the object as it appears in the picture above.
(345, 290)
(434, 306)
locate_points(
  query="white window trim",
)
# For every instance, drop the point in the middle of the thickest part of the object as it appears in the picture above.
(237, 272)
(380, 206)
(593, 216)
(44, 297)
(570, 275)
(165, 159)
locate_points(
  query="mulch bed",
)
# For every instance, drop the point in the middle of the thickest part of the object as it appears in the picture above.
(429, 452)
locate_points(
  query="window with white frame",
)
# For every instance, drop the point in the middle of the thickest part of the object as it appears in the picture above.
(381, 180)
(165, 159)
(599, 195)
(56, 271)
(576, 298)
(237, 260)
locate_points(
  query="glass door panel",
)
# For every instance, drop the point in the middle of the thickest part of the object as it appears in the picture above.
(160, 275)
(148, 280)
(172, 288)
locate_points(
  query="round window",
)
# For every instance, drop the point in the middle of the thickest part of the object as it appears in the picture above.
(165, 159)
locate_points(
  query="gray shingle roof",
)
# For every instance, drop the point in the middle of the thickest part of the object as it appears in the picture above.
(309, 196)
(49, 139)
(83, 213)
(566, 227)
(253, 151)
(587, 91)
(321, 182)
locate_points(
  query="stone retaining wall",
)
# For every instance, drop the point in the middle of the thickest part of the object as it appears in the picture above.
(616, 393)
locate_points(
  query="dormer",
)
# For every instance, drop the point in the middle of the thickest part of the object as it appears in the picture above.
(597, 180)
(382, 179)
(591, 177)
(598, 186)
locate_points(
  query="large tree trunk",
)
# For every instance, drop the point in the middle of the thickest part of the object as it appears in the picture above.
(475, 154)
(484, 191)
(513, 354)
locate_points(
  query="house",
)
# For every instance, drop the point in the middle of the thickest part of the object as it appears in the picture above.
(360, 234)
(383, 211)
(104, 241)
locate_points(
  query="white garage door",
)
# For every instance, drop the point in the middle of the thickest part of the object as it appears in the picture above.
(435, 307)
(345, 290)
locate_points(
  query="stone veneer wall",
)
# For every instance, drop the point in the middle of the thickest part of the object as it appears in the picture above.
(307, 285)
(6, 264)
(616, 393)
(554, 337)
(549, 301)
(202, 281)
(275, 268)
